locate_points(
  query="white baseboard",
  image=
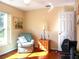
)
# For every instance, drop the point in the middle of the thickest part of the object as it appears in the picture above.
(2, 53)
(54, 49)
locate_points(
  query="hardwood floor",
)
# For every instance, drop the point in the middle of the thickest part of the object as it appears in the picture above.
(8, 54)
(49, 55)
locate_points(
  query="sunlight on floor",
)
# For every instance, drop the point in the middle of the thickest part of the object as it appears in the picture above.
(25, 55)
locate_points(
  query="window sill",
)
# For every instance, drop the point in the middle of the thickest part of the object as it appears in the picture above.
(3, 44)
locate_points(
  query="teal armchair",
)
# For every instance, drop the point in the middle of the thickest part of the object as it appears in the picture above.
(25, 42)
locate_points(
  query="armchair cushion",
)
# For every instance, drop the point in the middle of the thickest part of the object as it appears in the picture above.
(22, 39)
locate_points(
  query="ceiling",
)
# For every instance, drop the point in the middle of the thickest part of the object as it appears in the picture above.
(35, 4)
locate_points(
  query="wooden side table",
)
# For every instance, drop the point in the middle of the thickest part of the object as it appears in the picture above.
(43, 44)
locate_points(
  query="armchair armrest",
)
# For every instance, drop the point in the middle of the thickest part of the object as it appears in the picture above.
(32, 41)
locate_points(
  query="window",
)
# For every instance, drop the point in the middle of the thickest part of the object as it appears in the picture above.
(4, 28)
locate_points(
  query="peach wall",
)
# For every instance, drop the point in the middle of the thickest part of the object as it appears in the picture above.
(35, 20)
(14, 13)
(77, 17)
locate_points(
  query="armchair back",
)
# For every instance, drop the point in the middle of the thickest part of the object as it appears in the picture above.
(28, 36)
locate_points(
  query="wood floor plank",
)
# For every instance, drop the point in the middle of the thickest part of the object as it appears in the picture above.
(50, 55)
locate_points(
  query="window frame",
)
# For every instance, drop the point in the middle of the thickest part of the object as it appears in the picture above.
(8, 30)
